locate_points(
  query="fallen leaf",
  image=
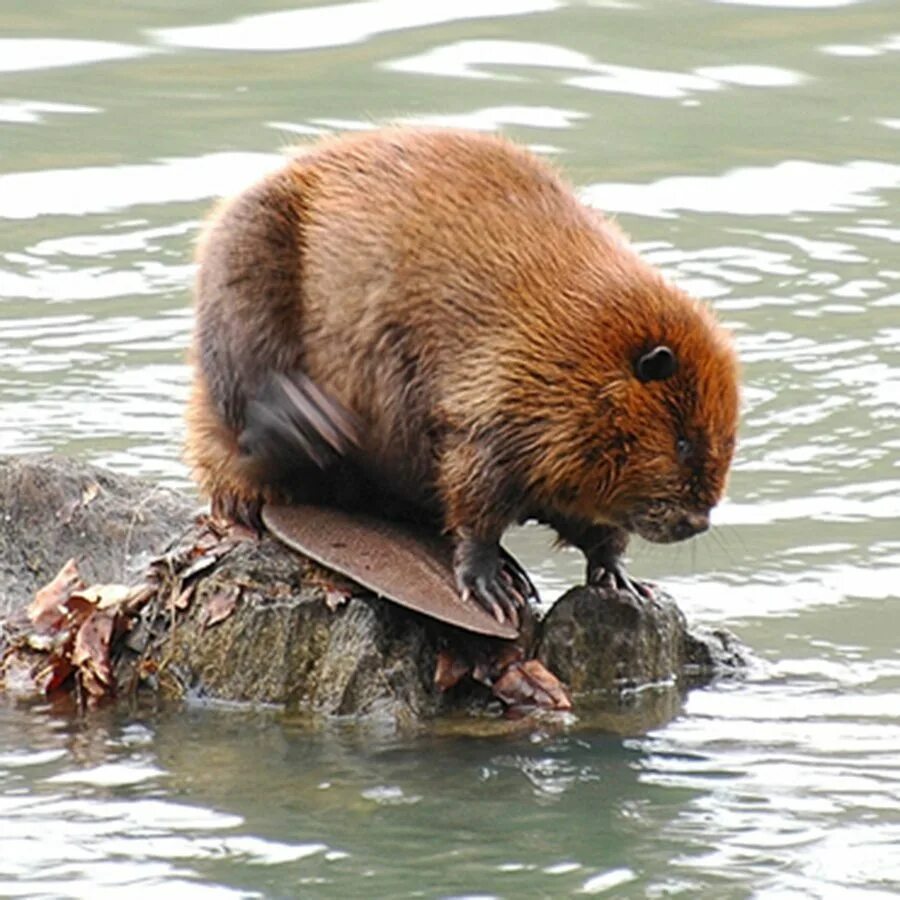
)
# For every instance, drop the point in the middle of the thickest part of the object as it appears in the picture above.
(206, 541)
(78, 608)
(48, 609)
(490, 666)
(53, 675)
(92, 686)
(147, 668)
(183, 600)
(89, 493)
(103, 596)
(219, 606)
(140, 594)
(530, 683)
(482, 672)
(335, 597)
(49, 641)
(90, 654)
(200, 564)
(506, 656)
(449, 670)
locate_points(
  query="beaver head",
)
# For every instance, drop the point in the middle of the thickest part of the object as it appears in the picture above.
(682, 405)
(645, 435)
(675, 415)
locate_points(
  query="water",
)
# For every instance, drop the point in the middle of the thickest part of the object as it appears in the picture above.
(751, 148)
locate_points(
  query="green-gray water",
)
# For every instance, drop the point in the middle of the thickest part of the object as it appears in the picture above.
(751, 148)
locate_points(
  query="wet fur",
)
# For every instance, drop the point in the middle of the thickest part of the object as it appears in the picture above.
(449, 291)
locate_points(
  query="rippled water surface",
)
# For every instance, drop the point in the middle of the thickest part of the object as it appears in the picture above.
(751, 148)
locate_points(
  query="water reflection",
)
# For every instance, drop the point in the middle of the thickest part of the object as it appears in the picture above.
(104, 189)
(32, 112)
(770, 803)
(341, 24)
(22, 54)
(791, 4)
(494, 118)
(783, 189)
(467, 59)
(184, 801)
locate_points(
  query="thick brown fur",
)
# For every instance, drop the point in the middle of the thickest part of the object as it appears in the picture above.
(483, 326)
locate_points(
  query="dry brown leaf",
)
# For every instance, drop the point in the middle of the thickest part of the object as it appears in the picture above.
(449, 670)
(220, 606)
(183, 600)
(508, 654)
(205, 542)
(103, 596)
(200, 564)
(48, 609)
(90, 493)
(335, 597)
(91, 652)
(489, 666)
(530, 683)
(53, 675)
(482, 672)
(139, 595)
(147, 668)
(26, 675)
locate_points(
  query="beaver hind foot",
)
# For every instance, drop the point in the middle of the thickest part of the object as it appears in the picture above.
(291, 424)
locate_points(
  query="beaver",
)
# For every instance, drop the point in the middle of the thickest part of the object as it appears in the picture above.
(429, 324)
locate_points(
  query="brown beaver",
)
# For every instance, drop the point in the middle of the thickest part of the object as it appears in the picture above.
(428, 323)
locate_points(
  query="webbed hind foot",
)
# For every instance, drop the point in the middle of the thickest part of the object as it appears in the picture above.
(291, 423)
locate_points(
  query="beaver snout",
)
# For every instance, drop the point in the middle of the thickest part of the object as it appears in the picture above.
(689, 524)
(666, 524)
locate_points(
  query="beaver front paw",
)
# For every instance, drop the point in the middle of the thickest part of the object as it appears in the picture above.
(612, 576)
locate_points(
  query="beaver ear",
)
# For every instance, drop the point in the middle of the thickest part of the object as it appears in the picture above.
(657, 364)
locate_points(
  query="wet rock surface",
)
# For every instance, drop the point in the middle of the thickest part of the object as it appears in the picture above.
(53, 509)
(600, 640)
(220, 615)
(302, 637)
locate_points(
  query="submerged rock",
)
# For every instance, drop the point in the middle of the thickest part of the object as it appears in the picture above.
(219, 615)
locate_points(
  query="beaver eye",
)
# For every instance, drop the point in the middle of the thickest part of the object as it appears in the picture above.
(656, 365)
(683, 448)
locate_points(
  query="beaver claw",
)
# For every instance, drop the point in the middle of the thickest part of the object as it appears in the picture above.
(512, 569)
(614, 577)
(492, 578)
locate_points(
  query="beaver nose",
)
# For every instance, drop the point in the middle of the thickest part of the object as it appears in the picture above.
(691, 523)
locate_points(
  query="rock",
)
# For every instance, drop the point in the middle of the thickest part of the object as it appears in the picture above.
(53, 509)
(215, 614)
(596, 639)
(303, 638)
